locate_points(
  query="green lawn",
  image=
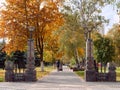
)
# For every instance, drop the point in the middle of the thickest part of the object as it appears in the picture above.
(46, 72)
(40, 74)
(2, 72)
(81, 74)
(118, 74)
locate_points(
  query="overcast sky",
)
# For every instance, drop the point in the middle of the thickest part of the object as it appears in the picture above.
(110, 13)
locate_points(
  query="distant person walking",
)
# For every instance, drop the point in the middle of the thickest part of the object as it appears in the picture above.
(58, 64)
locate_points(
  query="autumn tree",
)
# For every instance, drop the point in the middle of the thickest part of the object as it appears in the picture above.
(52, 45)
(71, 40)
(18, 15)
(114, 34)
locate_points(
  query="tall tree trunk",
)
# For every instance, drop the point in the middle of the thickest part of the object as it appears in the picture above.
(39, 42)
(42, 62)
(77, 58)
(42, 47)
(39, 39)
(39, 47)
(42, 66)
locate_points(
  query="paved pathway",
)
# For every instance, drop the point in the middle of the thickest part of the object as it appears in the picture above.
(65, 80)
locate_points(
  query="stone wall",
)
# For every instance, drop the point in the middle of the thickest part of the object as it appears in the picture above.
(110, 76)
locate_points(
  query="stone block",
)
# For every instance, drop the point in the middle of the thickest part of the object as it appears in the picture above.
(90, 75)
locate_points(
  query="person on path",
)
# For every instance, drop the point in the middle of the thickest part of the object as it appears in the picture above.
(58, 64)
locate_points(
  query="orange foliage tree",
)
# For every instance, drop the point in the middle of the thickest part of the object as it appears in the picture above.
(18, 15)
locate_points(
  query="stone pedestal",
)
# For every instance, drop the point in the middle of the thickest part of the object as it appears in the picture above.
(30, 73)
(90, 73)
(112, 76)
(112, 73)
(9, 74)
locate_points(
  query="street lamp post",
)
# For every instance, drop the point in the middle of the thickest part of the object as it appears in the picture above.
(30, 73)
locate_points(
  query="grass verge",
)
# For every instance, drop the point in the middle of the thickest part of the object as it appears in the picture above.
(47, 69)
(2, 75)
(80, 73)
(118, 74)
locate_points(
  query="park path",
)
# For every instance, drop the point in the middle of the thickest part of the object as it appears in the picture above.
(65, 77)
(63, 80)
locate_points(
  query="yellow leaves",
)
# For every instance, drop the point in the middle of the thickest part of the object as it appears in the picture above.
(59, 55)
(81, 51)
(47, 56)
(16, 42)
(50, 20)
(19, 13)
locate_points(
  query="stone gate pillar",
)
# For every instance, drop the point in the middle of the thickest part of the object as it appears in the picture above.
(112, 73)
(30, 73)
(9, 74)
(90, 74)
